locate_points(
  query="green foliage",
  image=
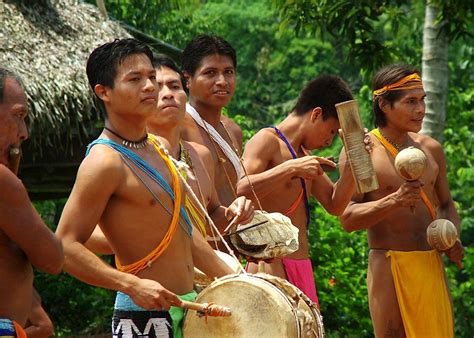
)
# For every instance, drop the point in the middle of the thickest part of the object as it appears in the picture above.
(340, 261)
(459, 146)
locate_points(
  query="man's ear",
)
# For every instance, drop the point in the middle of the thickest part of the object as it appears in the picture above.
(187, 77)
(382, 104)
(101, 92)
(315, 113)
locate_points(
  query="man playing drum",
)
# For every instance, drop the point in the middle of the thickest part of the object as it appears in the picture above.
(283, 175)
(408, 294)
(25, 240)
(130, 187)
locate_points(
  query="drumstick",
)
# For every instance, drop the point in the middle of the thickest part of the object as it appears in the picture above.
(246, 228)
(206, 309)
(231, 223)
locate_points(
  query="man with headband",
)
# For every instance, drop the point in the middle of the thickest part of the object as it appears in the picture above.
(25, 240)
(408, 294)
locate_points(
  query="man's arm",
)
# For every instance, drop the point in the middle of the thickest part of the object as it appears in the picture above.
(22, 224)
(446, 209)
(39, 325)
(257, 156)
(360, 214)
(98, 243)
(97, 179)
(205, 259)
(334, 197)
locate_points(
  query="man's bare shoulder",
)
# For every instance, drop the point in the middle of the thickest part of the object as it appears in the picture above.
(201, 156)
(232, 127)
(12, 189)
(427, 141)
(202, 151)
(102, 163)
(231, 124)
(264, 140)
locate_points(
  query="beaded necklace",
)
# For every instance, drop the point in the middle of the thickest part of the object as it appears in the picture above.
(128, 143)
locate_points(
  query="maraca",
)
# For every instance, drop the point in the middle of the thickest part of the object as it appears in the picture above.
(410, 164)
(442, 235)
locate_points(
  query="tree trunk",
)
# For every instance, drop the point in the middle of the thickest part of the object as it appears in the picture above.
(435, 73)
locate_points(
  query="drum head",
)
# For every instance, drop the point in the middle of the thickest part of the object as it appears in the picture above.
(259, 309)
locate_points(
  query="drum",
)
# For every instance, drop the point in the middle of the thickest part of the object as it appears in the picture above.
(262, 306)
(201, 280)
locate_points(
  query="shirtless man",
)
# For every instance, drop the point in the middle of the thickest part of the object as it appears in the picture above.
(209, 66)
(131, 189)
(166, 124)
(283, 175)
(25, 240)
(408, 295)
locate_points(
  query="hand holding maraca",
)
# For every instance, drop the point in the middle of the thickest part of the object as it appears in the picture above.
(410, 164)
(442, 235)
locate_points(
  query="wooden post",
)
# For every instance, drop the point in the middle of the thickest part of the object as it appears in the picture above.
(353, 139)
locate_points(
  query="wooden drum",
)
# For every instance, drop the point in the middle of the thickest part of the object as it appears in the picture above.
(262, 306)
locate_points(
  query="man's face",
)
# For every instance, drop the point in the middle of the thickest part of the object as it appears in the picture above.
(408, 111)
(323, 132)
(134, 91)
(13, 112)
(171, 106)
(213, 83)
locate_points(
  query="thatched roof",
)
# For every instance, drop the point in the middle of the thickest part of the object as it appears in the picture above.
(47, 43)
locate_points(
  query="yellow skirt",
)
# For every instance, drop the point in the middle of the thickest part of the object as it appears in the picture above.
(422, 293)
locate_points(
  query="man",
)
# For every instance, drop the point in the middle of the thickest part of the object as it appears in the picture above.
(209, 66)
(283, 175)
(166, 124)
(25, 240)
(129, 186)
(408, 295)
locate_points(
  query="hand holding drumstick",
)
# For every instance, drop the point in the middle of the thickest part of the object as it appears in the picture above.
(206, 309)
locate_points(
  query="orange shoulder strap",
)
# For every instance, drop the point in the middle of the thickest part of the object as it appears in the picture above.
(394, 152)
(295, 204)
(138, 266)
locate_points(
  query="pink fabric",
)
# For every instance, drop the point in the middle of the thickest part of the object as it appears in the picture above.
(300, 273)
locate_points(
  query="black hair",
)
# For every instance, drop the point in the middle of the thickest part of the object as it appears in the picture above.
(324, 91)
(103, 62)
(163, 60)
(202, 46)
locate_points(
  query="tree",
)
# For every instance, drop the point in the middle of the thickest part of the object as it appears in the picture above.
(445, 21)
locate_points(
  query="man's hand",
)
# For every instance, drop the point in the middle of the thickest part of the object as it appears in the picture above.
(409, 193)
(309, 167)
(242, 208)
(456, 253)
(151, 295)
